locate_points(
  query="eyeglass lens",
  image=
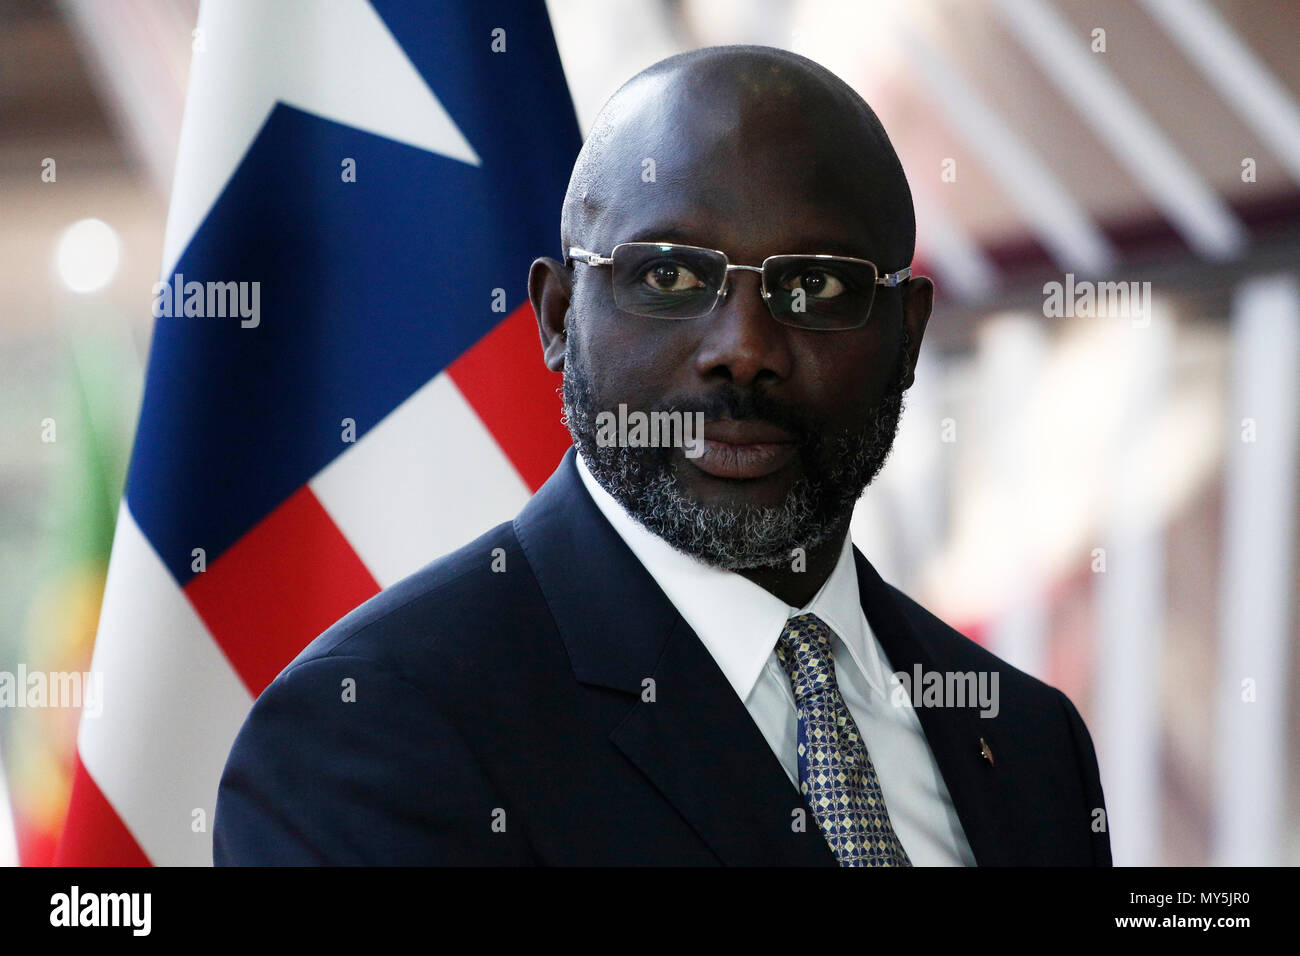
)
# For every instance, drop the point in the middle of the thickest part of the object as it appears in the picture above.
(682, 282)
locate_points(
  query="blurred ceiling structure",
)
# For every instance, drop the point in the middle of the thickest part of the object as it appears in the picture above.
(1067, 157)
(98, 88)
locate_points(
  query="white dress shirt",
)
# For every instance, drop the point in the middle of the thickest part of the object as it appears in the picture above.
(739, 623)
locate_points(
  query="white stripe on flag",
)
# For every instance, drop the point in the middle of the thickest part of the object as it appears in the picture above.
(424, 481)
(172, 706)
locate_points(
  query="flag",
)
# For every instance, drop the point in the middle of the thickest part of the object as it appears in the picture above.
(345, 379)
(87, 462)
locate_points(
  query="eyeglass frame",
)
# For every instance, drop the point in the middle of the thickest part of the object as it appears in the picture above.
(889, 280)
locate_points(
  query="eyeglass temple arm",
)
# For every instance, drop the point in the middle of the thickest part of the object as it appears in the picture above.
(588, 258)
(895, 278)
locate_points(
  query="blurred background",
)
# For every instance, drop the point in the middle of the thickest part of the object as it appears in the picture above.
(1101, 490)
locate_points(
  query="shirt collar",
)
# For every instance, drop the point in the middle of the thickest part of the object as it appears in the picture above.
(737, 620)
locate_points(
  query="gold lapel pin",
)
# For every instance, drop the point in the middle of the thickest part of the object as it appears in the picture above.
(985, 752)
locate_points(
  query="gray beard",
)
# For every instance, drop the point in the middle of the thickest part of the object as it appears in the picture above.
(818, 505)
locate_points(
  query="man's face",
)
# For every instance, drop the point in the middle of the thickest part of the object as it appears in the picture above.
(798, 421)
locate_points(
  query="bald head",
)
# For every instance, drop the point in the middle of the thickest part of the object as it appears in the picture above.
(725, 142)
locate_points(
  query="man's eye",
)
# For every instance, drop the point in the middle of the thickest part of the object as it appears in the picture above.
(671, 277)
(817, 283)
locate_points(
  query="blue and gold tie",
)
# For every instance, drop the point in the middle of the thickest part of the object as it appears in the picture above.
(835, 771)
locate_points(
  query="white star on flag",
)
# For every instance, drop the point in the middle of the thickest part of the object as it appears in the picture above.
(250, 55)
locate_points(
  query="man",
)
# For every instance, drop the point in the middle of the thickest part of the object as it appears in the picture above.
(674, 654)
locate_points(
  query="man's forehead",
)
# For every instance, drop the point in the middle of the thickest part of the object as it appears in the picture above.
(832, 238)
(748, 228)
(737, 178)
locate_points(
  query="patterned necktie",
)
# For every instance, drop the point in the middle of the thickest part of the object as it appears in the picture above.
(835, 771)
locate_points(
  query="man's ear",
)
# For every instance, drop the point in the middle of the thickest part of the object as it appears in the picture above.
(550, 285)
(918, 300)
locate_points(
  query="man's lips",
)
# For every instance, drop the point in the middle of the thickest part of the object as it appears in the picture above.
(744, 449)
(746, 432)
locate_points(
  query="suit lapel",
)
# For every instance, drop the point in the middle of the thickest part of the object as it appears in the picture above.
(697, 743)
(952, 733)
(694, 741)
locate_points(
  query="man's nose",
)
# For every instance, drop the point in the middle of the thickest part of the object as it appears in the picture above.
(742, 342)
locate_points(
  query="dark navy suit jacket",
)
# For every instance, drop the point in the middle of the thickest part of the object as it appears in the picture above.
(499, 719)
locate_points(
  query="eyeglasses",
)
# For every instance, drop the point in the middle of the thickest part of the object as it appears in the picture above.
(670, 281)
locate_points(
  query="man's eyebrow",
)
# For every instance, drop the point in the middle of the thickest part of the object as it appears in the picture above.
(683, 236)
(855, 248)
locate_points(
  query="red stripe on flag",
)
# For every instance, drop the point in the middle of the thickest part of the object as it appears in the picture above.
(278, 587)
(93, 833)
(509, 387)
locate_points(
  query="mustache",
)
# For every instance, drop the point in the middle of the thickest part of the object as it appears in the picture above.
(741, 404)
